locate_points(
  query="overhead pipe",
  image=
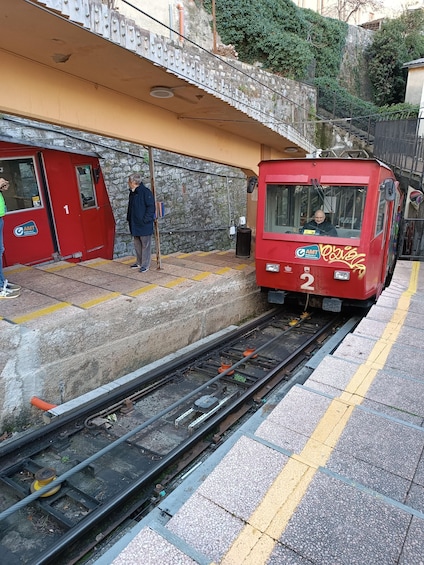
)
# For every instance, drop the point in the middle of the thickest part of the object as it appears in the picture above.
(213, 26)
(180, 9)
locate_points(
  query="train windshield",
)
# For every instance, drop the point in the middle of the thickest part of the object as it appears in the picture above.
(293, 209)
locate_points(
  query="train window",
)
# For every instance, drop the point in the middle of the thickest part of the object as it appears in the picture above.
(381, 213)
(86, 186)
(289, 207)
(23, 191)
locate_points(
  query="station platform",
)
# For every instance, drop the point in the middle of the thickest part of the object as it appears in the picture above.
(331, 472)
(77, 326)
(52, 287)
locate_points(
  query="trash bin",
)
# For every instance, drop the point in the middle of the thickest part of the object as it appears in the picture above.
(243, 242)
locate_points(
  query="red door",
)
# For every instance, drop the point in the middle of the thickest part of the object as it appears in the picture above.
(96, 213)
(83, 219)
(27, 227)
(58, 207)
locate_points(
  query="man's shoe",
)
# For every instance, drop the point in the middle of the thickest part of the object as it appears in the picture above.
(135, 266)
(10, 286)
(144, 269)
(9, 293)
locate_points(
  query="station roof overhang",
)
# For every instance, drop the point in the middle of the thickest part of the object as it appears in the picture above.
(38, 43)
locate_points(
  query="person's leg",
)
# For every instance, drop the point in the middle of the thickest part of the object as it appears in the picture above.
(7, 290)
(138, 250)
(1, 254)
(146, 242)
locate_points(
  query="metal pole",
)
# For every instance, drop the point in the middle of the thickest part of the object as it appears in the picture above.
(155, 221)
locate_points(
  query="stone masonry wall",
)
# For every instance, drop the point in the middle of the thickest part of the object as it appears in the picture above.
(201, 199)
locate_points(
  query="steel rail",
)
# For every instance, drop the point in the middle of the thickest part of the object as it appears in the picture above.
(120, 498)
(128, 388)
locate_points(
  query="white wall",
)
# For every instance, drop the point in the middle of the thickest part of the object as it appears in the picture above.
(387, 8)
(164, 11)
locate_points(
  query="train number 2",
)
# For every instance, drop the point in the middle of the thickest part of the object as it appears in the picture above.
(309, 281)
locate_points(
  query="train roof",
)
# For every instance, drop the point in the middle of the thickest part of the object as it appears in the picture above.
(329, 159)
(45, 145)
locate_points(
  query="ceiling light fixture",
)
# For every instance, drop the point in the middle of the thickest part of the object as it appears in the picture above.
(291, 149)
(161, 92)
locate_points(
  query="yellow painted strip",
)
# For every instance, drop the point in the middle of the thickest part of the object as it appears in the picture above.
(265, 526)
(183, 255)
(240, 267)
(204, 253)
(99, 300)
(222, 271)
(201, 276)
(97, 263)
(8, 270)
(176, 282)
(59, 267)
(39, 313)
(142, 290)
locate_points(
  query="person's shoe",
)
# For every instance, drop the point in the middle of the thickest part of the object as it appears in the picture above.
(135, 266)
(11, 286)
(144, 269)
(4, 293)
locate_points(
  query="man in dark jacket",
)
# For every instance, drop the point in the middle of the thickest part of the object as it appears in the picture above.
(140, 216)
(319, 225)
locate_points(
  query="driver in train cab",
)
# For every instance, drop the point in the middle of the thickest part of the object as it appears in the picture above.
(319, 226)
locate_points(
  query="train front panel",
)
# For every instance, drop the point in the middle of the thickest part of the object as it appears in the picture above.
(322, 230)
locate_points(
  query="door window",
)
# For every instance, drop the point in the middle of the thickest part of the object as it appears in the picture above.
(86, 186)
(23, 191)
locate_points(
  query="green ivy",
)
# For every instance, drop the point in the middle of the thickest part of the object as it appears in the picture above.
(399, 41)
(339, 103)
(302, 45)
(281, 37)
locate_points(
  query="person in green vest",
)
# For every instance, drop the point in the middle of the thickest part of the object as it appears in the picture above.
(7, 289)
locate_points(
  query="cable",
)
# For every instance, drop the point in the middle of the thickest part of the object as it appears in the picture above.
(193, 81)
(250, 78)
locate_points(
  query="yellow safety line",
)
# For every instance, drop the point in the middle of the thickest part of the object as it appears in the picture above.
(176, 282)
(39, 313)
(142, 289)
(58, 267)
(97, 263)
(201, 276)
(183, 255)
(20, 269)
(241, 266)
(222, 271)
(265, 526)
(99, 300)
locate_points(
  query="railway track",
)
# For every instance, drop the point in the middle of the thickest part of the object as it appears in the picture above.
(65, 486)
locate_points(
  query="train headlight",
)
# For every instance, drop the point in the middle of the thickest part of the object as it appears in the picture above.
(272, 267)
(342, 275)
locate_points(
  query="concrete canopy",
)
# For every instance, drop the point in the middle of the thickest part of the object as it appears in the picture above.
(90, 73)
